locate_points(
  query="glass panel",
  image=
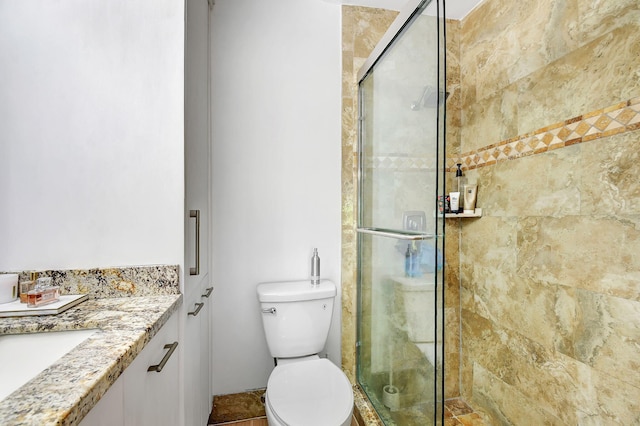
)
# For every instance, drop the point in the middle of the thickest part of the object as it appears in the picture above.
(397, 333)
(399, 113)
(401, 238)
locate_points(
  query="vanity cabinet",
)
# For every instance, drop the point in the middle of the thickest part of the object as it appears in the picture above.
(152, 394)
(142, 397)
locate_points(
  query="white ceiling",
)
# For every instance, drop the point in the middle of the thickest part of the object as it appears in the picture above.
(455, 9)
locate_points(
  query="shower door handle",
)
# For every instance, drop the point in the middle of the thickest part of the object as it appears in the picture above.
(196, 270)
(401, 235)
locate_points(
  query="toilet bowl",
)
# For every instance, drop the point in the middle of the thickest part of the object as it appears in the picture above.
(303, 389)
(309, 393)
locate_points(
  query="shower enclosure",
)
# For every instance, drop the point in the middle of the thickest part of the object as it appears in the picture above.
(400, 227)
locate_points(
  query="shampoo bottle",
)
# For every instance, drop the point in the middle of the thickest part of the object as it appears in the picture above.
(407, 261)
(470, 197)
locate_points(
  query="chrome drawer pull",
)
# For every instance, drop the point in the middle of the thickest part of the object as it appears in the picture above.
(199, 306)
(158, 368)
(208, 293)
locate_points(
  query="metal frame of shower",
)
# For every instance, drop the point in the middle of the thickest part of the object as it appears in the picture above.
(405, 18)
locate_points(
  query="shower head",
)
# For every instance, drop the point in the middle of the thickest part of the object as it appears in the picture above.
(429, 98)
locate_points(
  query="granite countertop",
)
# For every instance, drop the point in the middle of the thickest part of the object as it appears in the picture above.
(65, 392)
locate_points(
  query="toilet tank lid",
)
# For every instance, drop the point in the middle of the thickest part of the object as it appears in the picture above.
(293, 291)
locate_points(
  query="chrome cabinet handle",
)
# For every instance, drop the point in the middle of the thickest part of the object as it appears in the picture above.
(196, 270)
(197, 311)
(208, 293)
(158, 367)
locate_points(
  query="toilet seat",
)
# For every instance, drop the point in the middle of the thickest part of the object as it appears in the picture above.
(310, 393)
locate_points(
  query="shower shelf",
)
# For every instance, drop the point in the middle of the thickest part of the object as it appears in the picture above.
(477, 213)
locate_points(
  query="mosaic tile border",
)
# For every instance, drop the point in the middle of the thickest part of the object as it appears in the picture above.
(156, 280)
(399, 162)
(619, 118)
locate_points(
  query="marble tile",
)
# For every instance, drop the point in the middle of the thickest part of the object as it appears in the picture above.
(512, 406)
(563, 89)
(596, 18)
(600, 331)
(536, 372)
(480, 117)
(610, 184)
(515, 378)
(564, 251)
(506, 41)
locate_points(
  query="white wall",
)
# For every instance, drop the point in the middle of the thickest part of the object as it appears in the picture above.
(276, 167)
(91, 133)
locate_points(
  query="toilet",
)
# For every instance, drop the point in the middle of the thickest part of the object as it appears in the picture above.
(303, 389)
(418, 297)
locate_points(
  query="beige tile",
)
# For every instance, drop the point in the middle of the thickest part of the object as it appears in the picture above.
(504, 41)
(610, 184)
(597, 18)
(564, 251)
(513, 407)
(565, 88)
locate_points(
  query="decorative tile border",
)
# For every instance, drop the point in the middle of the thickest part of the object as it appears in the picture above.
(399, 163)
(601, 123)
(127, 281)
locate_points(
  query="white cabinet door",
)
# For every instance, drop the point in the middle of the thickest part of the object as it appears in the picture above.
(197, 398)
(204, 392)
(197, 144)
(140, 397)
(195, 328)
(151, 397)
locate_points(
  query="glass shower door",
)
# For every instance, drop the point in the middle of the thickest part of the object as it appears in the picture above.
(400, 229)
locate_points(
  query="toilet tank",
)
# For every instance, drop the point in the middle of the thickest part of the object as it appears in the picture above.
(296, 316)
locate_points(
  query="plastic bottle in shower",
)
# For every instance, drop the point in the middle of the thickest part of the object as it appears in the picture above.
(416, 254)
(408, 261)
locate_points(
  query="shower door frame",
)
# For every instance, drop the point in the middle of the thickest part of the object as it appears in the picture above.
(396, 30)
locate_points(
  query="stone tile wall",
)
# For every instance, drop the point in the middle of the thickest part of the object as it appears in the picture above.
(550, 275)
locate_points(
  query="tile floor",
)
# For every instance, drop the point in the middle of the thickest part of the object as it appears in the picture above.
(458, 413)
(247, 409)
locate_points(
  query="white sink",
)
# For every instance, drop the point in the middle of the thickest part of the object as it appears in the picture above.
(24, 356)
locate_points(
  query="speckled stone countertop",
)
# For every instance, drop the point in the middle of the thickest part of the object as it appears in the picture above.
(65, 392)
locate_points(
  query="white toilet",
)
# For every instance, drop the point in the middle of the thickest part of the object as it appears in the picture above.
(419, 300)
(303, 389)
